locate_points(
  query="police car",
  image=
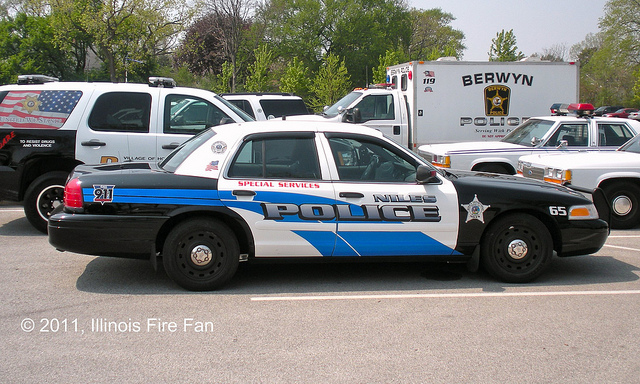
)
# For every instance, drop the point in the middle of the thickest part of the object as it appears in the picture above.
(301, 189)
(616, 173)
(47, 127)
(539, 135)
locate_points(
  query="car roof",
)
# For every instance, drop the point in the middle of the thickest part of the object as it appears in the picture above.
(279, 125)
(81, 86)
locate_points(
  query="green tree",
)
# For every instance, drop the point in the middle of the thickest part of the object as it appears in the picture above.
(504, 47)
(380, 72)
(296, 79)
(259, 79)
(330, 83)
(359, 31)
(431, 33)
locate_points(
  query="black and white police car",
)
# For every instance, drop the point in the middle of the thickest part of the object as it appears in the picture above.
(295, 189)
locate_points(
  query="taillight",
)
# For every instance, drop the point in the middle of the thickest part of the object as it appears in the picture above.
(73, 194)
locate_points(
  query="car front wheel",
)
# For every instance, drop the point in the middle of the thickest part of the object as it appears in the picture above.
(201, 254)
(516, 248)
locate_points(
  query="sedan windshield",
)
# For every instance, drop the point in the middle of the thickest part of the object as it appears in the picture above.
(528, 131)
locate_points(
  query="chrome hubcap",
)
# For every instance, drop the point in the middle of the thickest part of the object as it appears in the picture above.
(201, 255)
(622, 205)
(518, 249)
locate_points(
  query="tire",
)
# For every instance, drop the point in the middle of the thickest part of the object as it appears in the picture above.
(624, 199)
(492, 168)
(201, 254)
(516, 248)
(43, 195)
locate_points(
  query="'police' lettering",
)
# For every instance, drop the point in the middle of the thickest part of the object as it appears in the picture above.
(345, 212)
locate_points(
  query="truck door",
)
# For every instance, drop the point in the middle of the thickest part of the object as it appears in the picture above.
(382, 210)
(115, 117)
(382, 112)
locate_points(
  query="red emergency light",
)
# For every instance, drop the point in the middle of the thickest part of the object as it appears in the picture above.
(581, 109)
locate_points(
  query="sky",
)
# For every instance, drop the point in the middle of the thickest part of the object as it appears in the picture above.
(536, 24)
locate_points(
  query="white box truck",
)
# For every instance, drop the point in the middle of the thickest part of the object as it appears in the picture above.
(450, 101)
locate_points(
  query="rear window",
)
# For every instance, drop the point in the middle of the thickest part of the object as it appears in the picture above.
(279, 108)
(37, 109)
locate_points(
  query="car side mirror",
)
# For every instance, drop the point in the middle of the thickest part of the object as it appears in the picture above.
(426, 175)
(563, 144)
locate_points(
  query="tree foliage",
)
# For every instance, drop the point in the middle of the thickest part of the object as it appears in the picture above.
(504, 47)
(431, 33)
(330, 83)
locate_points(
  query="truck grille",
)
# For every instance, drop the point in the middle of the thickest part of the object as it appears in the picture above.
(533, 172)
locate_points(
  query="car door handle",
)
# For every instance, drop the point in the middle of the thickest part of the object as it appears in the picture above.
(241, 192)
(170, 146)
(93, 143)
(351, 195)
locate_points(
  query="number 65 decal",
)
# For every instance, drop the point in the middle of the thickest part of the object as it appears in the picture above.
(557, 211)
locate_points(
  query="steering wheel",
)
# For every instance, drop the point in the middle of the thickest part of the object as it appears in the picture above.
(369, 172)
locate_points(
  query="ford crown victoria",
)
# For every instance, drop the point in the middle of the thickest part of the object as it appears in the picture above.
(287, 189)
(616, 173)
(552, 134)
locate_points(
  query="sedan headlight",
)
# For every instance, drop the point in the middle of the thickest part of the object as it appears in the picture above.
(583, 212)
(557, 175)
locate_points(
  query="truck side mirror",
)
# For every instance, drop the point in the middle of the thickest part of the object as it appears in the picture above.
(357, 116)
(426, 175)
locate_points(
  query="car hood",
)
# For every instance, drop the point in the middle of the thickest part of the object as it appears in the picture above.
(592, 160)
(471, 146)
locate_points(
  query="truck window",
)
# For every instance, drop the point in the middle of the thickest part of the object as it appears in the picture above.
(245, 105)
(613, 135)
(404, 83)
(185, 114)
(377, 107)
(37, 109)
(121, 112)
(279, 108)
(576, 135)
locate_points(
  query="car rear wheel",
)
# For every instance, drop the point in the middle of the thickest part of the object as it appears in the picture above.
(516, 248)
(624, 199)
(43, 196)
(201, 254)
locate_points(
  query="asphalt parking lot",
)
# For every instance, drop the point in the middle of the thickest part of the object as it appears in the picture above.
(74, 318)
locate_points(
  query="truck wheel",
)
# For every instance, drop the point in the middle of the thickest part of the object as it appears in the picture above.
(201, 254)
(624, 199)
(44, 194)
(492, 168)
(516, 248)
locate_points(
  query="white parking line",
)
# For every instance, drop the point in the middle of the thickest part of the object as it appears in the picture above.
(11, 210)
(619, 247)
(442, 295)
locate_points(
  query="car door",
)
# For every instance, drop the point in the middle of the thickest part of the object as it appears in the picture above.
(382, 210)
(275, 183)
(379, 111)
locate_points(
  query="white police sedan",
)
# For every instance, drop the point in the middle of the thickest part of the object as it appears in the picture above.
(294, 189)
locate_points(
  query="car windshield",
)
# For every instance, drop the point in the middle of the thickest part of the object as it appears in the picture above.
(345, 102)
(527, 131)
(177, 156)
(632, 145)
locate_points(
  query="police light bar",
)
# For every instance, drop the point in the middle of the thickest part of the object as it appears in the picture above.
(382, 86)
(581, 109)
(36, 79)
(165, 82)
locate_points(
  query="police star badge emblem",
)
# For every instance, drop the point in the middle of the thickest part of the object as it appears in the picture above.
(475, 209)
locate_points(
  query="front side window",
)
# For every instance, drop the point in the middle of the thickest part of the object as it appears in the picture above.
(121, 112)
(529, 133)
(185, 114)
(613, 135)
(277, 158)
(359, 159)
(376, 107)
(576, 135)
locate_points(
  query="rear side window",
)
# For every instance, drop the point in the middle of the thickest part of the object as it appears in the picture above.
(613, 135)
(279, 108)
(121, 112)
(37, 109)
(190, 115)
(244, 105)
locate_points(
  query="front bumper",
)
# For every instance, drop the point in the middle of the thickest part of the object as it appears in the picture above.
(583, 237)
(102, 235)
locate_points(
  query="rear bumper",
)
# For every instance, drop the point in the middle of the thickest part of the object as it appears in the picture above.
(101, 235)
